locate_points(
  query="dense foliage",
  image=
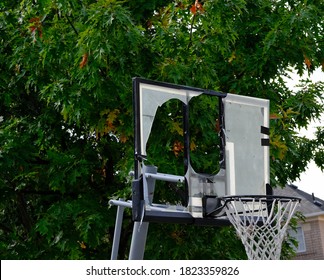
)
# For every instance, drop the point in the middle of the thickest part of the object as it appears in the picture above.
(66, 134)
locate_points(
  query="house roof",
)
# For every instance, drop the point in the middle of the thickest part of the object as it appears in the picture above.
(309, 204)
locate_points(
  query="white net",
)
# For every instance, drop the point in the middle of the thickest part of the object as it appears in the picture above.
(261, 223)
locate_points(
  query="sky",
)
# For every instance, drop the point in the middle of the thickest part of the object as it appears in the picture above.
(311, 181)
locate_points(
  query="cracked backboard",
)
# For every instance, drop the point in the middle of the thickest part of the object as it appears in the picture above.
(240, 167)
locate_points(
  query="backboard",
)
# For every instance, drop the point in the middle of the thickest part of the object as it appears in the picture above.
(243, 148)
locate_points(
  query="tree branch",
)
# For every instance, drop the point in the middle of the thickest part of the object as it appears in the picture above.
(71, 24)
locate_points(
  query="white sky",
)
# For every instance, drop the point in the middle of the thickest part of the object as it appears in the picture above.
(311, 181)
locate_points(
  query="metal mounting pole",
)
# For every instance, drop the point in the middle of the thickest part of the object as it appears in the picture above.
(138, 241)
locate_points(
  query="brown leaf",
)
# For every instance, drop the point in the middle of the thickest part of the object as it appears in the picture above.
(274, 116)
(123, 138)
(196, 7)
(199, 6)
(193, 9)
(177, 147)
(36, 26)
(308, 62)
(217, 126)
(82, 245)
(84, 60)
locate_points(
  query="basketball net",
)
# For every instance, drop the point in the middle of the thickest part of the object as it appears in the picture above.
(261, 222)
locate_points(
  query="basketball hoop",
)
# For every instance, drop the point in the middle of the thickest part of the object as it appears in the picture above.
(261, 222)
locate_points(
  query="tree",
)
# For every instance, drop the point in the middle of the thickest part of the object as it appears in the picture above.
(66, 136)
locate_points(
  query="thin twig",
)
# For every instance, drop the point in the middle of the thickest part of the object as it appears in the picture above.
(70, 22)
